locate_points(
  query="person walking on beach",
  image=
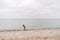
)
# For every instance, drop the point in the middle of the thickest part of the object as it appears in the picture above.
(24, 27)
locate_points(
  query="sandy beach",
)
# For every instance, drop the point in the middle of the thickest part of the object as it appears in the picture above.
(41, 34)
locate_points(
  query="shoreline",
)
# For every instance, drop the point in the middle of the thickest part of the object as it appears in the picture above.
(30, 29)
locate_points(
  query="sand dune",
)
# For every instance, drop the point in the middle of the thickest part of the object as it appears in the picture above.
(46, 34)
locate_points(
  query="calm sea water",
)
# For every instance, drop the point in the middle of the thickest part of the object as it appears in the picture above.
(6, 24)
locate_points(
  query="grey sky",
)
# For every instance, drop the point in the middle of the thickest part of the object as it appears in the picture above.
(29, 8)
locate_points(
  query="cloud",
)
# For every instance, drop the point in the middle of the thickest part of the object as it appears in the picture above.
(29, 9)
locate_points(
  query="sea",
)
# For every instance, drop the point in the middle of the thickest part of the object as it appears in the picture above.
(10, 24)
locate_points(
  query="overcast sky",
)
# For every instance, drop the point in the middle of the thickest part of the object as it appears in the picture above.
(29, 8)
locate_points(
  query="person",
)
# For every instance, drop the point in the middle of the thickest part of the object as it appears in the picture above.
(24, 27)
